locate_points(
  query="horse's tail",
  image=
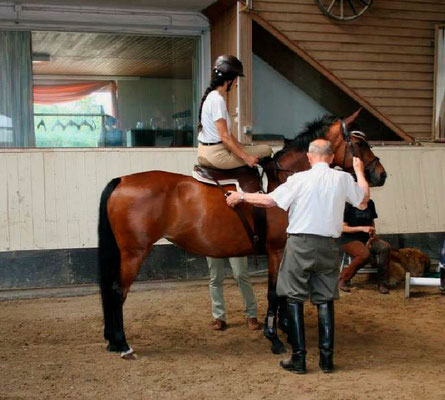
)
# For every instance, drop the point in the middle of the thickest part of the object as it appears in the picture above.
(109, 254)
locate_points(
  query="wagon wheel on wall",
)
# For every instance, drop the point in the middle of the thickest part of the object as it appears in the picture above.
(343, 10)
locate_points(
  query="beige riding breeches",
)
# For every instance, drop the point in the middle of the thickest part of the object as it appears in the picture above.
(218, 156)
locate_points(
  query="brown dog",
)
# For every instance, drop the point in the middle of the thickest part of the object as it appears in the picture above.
(406, 260)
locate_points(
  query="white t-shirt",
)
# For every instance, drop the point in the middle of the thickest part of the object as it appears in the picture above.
(213, 109)
(316, 200)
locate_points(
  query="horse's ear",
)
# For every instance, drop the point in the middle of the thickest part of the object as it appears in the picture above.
(349, 120)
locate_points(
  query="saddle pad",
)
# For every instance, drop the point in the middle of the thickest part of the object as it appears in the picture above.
(222, 182)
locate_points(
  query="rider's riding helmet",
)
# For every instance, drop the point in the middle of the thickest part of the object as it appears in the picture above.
(228, 66)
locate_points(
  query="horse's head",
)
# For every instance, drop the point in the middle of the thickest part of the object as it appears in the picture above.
(350, 142)
(345, 143)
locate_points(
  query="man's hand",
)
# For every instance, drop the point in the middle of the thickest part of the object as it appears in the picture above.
(359, 167)
(233, 198)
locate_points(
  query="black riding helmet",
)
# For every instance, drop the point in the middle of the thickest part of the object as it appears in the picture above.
(227, 65)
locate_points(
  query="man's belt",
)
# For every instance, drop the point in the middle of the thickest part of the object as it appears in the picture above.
(209, 144)
(311, 235)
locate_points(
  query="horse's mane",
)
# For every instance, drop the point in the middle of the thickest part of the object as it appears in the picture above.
(315, 129)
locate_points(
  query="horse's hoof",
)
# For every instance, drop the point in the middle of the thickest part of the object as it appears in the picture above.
(278, 348)
(113, 348)
(128, 355)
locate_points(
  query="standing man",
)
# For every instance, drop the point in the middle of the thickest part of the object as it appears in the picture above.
(315, 200)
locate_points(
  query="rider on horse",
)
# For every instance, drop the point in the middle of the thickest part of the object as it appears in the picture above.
(219, 149)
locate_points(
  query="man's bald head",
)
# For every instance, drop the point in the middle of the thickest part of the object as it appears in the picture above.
(320, 147)
(320, 150)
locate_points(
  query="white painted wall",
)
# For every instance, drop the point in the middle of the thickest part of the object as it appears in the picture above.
(279, 107)
(158, 98)
(412, 199)
(50, 197)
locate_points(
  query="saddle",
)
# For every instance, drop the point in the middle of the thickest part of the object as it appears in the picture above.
(245, 179)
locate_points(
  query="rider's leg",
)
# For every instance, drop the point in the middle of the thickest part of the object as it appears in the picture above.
(218, 156)
(360, 256)
(241, 276)
(216, 269)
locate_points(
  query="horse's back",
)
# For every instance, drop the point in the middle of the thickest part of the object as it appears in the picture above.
(148, 178)
(159, 189)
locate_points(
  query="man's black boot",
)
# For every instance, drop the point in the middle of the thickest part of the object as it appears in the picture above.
(326, 336)
(297, 361)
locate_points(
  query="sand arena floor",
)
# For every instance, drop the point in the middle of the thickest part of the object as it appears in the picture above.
(387, 347)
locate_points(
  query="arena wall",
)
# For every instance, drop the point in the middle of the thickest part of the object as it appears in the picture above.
(48, 213)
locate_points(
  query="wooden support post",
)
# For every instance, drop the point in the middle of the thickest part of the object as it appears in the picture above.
(407, 284)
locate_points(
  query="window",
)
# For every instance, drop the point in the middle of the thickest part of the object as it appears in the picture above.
(94, 89)
(113, 90)
(80, 123)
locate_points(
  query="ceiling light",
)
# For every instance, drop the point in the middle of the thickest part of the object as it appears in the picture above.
(40, 57)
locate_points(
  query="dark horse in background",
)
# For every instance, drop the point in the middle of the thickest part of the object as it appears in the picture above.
(137, 210)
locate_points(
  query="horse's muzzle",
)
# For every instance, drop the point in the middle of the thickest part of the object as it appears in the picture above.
(376, 180)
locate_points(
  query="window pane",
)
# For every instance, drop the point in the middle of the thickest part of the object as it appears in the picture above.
(146, 97)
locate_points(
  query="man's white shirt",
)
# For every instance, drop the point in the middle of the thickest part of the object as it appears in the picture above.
(316, 200)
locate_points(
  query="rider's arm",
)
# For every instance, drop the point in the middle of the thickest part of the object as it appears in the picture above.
(232, 144)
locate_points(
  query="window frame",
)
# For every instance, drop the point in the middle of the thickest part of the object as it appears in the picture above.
(145, 22)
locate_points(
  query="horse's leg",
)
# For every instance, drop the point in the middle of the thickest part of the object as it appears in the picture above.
(270, 325)
(130, 264)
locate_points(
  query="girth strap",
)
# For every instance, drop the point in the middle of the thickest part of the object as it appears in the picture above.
(258, 241)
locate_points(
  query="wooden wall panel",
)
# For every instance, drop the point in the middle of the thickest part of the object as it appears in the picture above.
(410, 201)
(51, 197)
(386, 53)
(223, 41)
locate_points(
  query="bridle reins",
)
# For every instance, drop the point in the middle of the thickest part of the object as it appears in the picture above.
(371, 165)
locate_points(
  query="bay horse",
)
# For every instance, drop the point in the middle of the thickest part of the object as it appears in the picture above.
(137, 210)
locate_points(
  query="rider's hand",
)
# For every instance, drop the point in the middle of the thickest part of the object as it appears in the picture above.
(233, 198)
(251, 161)
(358, 165)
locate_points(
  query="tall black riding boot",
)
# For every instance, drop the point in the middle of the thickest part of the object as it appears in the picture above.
(297, 361)
(326, 336)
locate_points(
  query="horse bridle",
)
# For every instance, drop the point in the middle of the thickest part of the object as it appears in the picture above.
(370, 166)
